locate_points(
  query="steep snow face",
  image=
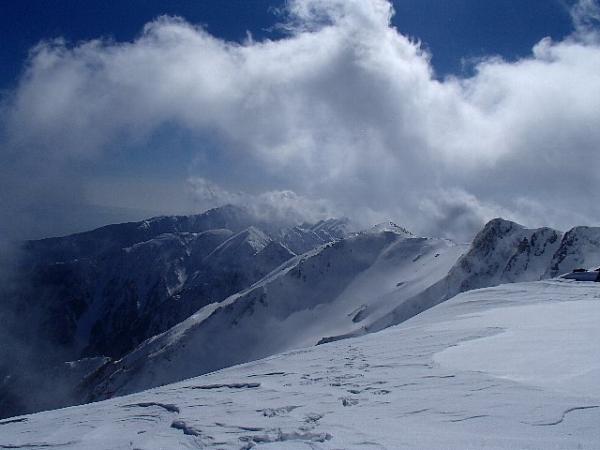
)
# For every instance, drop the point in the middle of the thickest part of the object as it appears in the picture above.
(579, 248)
(251, 238)
(470, 373)
(505, 252)
(502, 252)
(335, 291)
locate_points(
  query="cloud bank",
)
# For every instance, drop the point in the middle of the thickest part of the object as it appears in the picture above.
(286, 208)
(344, 112)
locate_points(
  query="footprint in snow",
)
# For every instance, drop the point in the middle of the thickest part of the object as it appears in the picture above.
(273, 412)
(349, 401)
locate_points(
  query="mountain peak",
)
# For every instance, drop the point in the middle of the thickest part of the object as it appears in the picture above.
(392, 227)
(500, 224)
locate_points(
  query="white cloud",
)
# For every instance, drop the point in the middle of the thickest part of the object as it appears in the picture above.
(285, 207)
(344, 110)
(586, 15)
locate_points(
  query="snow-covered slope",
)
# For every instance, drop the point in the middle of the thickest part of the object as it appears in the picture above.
(103, 292)
(156, 286)
(509, 367)
(124, 283)
(502, 252)
(361, 284)
(217, 297)
(335, 291)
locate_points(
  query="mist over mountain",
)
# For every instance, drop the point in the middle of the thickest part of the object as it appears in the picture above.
(300, 224)
(131, 306)
(100, 293)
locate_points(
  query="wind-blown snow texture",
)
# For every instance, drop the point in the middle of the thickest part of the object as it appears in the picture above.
(472, 372)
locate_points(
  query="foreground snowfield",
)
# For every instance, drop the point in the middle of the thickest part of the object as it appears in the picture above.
(515, 366)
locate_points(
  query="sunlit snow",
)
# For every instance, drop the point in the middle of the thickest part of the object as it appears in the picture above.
(493, 368)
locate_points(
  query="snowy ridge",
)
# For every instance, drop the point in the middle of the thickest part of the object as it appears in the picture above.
(422, 384)
(112, 238)
(502, 252)
(384, 286)
(255, 239)
(131, 281)
(505, 252)
(103, 292)
(183, 303)
(390, 226)
(302, 238)
(336, 290)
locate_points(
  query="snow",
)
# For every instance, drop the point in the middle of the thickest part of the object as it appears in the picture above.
(389, 226)
(252, 237)
(473, 372)
(313, 298)
(364, 283)
(580, 247)
(207, 298)
(103, 292)
(504, 252)
(560, 337)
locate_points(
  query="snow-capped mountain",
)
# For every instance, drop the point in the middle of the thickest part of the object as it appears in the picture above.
(506, 252)
(305, 237)
(102, 292)
(502, 252)
(509, 367)
(361, 284)
(109, 289)
(334, 291)
(207, 298)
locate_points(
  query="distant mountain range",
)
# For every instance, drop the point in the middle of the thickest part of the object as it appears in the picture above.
(136, 305)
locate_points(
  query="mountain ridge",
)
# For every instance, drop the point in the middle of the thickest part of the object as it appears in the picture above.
(346, 284)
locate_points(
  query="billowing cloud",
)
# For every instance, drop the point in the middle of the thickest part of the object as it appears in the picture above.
(343, 111)
(586, 15)
(285, 207)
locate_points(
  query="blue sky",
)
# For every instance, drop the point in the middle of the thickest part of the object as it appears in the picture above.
(452, 29)
(332, 107)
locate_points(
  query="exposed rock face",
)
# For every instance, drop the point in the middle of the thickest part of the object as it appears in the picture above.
(505, 252)
(580, 247)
